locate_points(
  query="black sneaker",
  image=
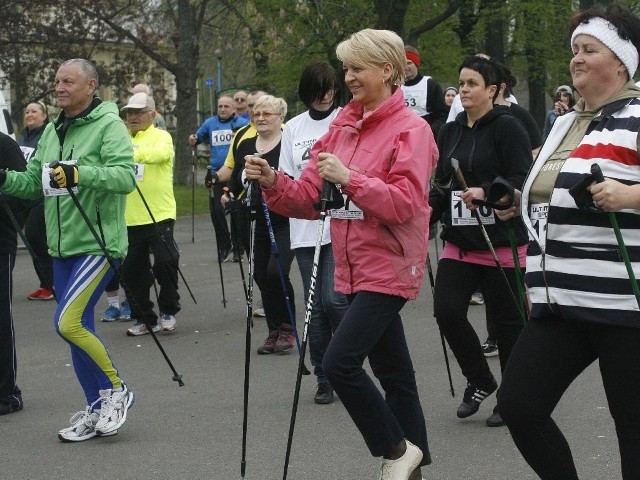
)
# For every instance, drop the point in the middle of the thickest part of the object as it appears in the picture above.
(473, 397)
(223, 254)
(495, 420)
(7, 408)
(324, 395)
(490, 348)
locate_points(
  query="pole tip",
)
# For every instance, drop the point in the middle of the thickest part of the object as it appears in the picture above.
(178, 378)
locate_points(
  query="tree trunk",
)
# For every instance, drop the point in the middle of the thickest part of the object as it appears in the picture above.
(468, 19)
(494, 29)
(186, 75)
(391, 14)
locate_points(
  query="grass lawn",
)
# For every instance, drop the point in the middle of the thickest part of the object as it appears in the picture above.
(184, 200)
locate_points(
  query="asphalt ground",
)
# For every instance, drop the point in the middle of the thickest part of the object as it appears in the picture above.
(195, 431)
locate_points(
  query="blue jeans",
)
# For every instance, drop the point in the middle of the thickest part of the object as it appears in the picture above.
(328, 305)
(372, 328)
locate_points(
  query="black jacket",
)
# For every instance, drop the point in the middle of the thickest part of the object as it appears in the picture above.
(496, 146)
(10, 159)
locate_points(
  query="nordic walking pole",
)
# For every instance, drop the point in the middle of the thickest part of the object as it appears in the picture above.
(164, 240)
(285, 292)
(36, 263)
(599, 178)
(474, 212)
(519, 282)
(213, 205)
(224, 298)
(194, 159)
(252, 205)
(324, 201)
(444, 345)
(177, 377)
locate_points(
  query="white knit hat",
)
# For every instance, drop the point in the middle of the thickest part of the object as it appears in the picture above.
(607, 33)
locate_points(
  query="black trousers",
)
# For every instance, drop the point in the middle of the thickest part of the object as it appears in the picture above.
(138, 272)
(372, 328)
(9, 392)
(35, 231)
(267, 273)
(550, 353)
(223, 237)
(455, 282)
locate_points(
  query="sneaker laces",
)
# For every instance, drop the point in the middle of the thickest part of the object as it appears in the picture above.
(385, 469)
(107, 405)
(81, 417)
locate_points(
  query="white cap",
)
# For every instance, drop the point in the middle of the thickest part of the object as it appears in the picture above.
(140, 100)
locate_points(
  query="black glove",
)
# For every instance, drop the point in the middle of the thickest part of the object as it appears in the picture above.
(495, 191)
(210, 178)
(330, 196)
(63, 175)
(582, 196)
(3, 176)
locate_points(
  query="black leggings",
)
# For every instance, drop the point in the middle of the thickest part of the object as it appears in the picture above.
(550, 353)
(455, 283)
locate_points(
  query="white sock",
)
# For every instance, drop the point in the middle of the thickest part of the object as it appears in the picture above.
(114, 301)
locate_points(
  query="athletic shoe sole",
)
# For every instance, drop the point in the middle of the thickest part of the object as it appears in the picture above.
(86, 437)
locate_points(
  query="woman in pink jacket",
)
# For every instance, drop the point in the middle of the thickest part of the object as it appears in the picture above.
(381, 155)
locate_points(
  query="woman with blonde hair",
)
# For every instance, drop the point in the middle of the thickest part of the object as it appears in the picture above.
(381, 154)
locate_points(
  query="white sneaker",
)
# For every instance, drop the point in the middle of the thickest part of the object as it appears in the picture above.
(167, 323)
(403, 467)
(83, 427)
(113, 409)
(477, 299)
(138, 329)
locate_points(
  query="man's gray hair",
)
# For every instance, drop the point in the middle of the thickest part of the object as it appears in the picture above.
(87, 69)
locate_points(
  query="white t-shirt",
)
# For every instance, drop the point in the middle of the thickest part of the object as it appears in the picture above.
(298, 137)
(415, 96)
(456, 107)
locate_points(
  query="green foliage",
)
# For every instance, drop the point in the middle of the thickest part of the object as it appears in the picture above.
(184, 199)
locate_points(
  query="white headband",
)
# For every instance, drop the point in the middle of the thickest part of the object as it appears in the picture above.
(604, 31)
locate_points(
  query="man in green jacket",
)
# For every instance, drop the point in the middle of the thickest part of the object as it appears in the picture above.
(86, 149)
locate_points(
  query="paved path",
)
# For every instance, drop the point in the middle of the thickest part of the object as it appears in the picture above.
(195, 432)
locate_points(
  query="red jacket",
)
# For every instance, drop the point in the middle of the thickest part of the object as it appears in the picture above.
(391, 153)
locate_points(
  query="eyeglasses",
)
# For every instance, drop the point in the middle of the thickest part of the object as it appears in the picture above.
(266, 115)
(136, 111)
(239, 99)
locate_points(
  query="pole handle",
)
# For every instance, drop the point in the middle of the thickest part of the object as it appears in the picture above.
(596, 172)
(458, 173)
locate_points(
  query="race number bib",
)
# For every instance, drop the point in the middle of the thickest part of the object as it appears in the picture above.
(221, 137)
(538, 214)
(410, 100)
(27, 152)
(50, 191)
(462, 216)
(350, 211)
(139, 171)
